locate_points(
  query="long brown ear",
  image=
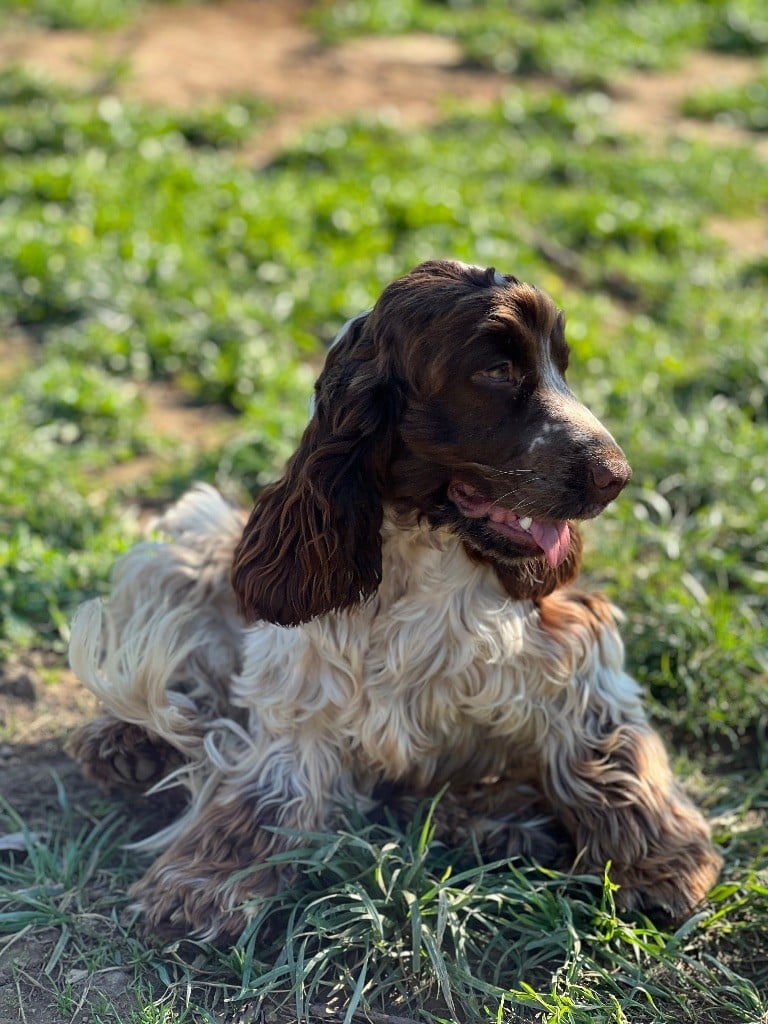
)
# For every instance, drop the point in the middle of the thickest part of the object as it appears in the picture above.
(312, 544)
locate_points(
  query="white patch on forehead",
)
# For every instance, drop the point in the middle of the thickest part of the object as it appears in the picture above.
(550, 375)
(572, 416)
(499, 278)
(546, 430)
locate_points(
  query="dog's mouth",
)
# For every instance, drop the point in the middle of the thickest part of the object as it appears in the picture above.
(552, 537)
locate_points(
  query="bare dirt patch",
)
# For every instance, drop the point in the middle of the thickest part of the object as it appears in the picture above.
(39, 702)
(197, 54)
(748, 238)
(185, 56)
(16, 352)
(169, 414)
(649, 105)
(35, 717)
(649, 102)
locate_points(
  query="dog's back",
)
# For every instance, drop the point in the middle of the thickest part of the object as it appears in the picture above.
(162, 651)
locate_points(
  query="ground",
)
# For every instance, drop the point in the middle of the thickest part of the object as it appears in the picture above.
(185, 56)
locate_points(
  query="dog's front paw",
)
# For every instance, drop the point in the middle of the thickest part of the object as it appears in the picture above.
(208, 884)
(621, 803)
(171, 906)
(669, 887)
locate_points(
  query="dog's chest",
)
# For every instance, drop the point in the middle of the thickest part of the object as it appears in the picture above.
(446, 672)
(437, 672)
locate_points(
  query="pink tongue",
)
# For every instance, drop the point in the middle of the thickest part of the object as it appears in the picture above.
(554, 539)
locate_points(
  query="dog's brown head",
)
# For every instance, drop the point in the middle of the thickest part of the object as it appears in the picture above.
(449, 400)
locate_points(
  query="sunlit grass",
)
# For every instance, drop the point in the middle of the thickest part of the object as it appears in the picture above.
(72, 14)
(181, 264)
(388, 921)
(576, 42)
(745, 106)
(135, 246)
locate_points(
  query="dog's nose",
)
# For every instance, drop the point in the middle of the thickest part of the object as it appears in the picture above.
(608, 478)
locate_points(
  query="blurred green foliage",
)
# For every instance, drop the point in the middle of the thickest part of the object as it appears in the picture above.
(744, 106)
(73, 14)
(138, 245)
(581, 42)
(135, 246)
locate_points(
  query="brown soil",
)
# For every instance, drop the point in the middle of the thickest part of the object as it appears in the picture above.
(188, 55)
(184, 56)
(16, 352)
(649, 103)
(196, 54)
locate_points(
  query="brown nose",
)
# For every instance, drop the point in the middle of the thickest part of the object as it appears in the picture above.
(608, 478)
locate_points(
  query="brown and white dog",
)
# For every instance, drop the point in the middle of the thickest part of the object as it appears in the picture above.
(411, 625)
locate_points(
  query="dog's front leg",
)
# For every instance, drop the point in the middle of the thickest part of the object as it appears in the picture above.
(616, 795)
(606, 772)
(210, 879)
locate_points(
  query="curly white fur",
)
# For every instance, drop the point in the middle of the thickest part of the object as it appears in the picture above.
(413, 630)
(439, 675)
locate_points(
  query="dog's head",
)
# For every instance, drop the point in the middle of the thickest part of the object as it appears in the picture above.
(447, 400)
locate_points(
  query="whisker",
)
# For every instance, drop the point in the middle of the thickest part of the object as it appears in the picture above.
(481, 467)
(506, 472)
(501, 497)
(528, 507)
(520, 506)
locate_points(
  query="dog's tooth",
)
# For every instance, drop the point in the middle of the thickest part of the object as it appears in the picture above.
(525, 522)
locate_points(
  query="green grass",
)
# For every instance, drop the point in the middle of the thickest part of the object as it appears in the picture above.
(579, 42)
(72, 14)
(745, 106)
(135, 246)
(181, 264)
(388, 921)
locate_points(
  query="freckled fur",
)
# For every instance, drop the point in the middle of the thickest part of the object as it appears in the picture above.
(376, 641)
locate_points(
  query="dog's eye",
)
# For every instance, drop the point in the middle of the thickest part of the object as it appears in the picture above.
(501, 373)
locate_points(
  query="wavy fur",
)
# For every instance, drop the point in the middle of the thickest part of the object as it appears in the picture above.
(431, 638)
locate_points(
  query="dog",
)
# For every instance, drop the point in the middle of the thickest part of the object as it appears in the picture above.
(395, 615)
